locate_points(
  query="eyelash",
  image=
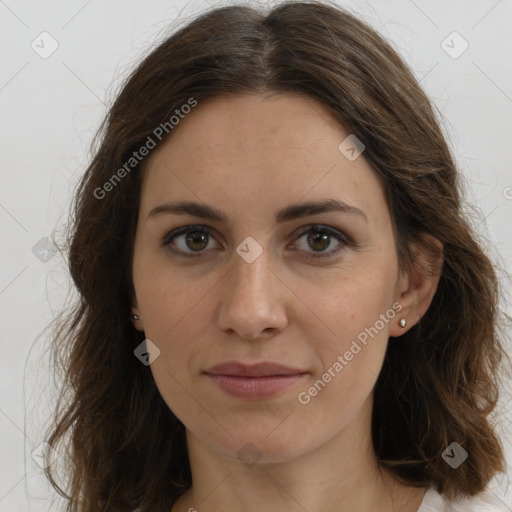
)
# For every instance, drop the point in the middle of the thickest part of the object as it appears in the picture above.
(313, 228)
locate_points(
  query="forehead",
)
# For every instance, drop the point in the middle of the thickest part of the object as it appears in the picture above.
(252, 122)
(249, 150)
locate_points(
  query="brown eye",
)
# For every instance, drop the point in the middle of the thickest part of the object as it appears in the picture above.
(196, 240)
(317, 239)
(189, 240)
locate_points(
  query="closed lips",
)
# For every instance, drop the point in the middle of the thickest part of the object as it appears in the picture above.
(264, 369)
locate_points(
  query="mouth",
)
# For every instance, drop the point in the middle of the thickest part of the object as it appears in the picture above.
(263, 369)
(258, 381)
(255, 387)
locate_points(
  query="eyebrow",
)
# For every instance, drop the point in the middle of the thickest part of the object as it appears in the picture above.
(293, 211)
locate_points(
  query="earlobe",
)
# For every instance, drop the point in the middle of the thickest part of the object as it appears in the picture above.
(135, 317)
(419, 284)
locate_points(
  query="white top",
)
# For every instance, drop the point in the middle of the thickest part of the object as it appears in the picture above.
(484, 502)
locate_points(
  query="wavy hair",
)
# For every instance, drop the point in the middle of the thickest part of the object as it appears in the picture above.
(124, 449)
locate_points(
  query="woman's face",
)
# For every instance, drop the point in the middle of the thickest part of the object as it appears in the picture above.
(255, 283)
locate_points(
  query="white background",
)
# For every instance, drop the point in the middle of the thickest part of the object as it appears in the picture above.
(51, 108)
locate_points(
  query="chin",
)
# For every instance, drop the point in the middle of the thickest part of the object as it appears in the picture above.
(258, 448)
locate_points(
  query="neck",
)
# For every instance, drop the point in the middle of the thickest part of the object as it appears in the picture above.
(339, 476)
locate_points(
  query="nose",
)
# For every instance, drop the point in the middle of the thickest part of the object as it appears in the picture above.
(252, 299)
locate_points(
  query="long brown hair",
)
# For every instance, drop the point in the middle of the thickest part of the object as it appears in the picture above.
(125, 449)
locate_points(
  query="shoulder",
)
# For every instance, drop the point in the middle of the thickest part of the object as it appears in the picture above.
(486, 501)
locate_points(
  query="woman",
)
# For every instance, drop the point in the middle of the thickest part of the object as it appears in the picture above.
(282, 305)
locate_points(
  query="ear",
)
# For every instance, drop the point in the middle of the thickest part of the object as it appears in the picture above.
(417, 286)
(139, 323)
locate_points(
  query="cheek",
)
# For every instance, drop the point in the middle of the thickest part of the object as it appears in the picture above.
(350, 331)
(349, 356)
(169, 306)
(166, 295)
(348, 303)
(173, 307)
(175, 318)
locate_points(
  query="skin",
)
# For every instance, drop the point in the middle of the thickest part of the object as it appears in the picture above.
(249, 156)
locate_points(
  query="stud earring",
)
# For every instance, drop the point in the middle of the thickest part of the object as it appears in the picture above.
(403, 322)
(134, 317)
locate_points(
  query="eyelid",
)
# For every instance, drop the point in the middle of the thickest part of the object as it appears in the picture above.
(189, 228)
(323, 228)
(344, 239)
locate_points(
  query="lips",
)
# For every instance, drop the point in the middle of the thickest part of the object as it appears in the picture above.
(264, 369)
(254, 382)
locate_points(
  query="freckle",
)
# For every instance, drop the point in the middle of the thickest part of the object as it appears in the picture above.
(352, 317)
